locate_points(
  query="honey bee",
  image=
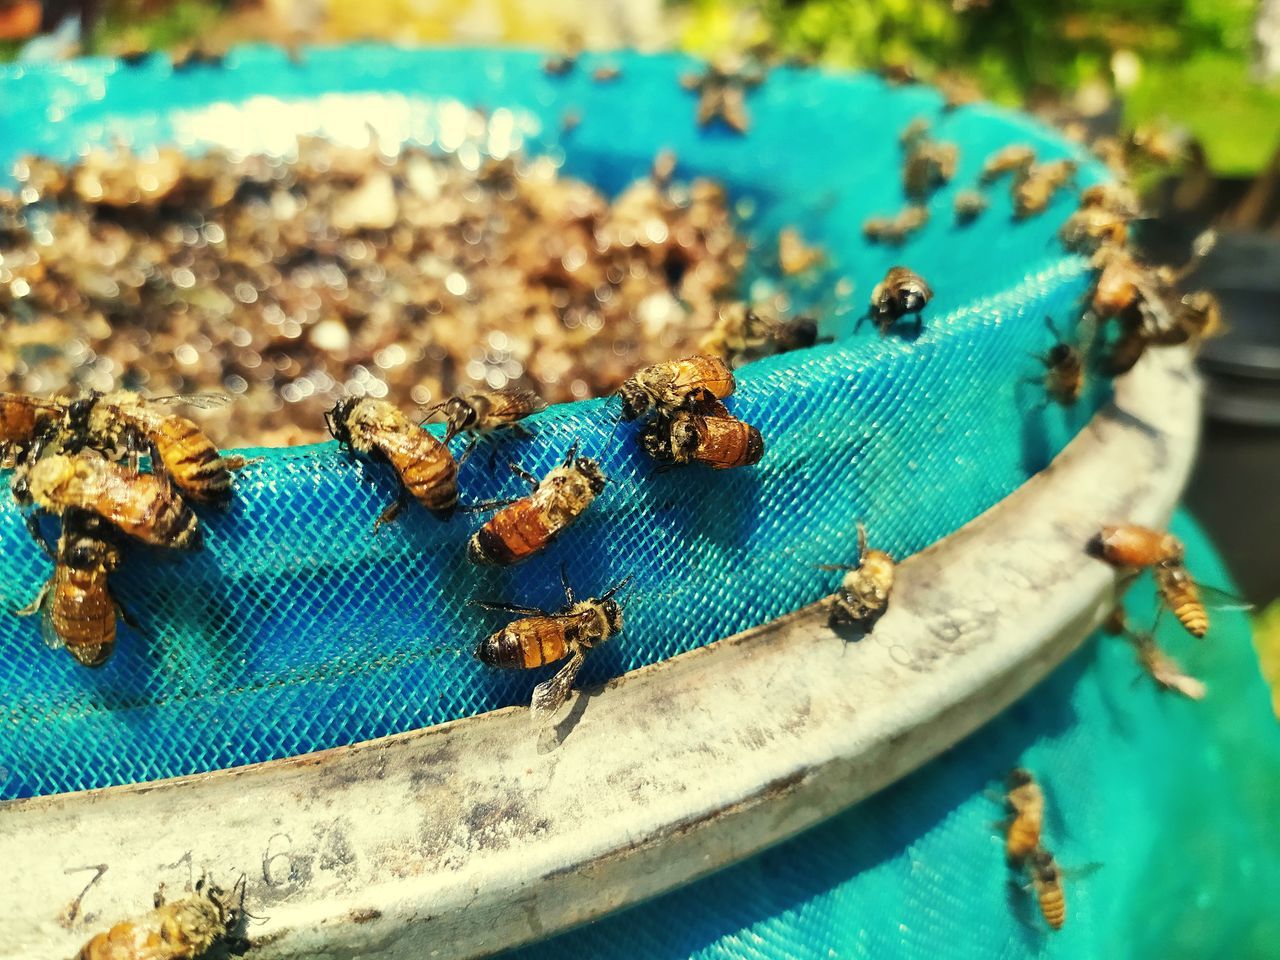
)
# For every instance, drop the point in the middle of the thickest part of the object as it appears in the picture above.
(79, 612)
(914, 133)
(560, 64)
(525, 526)
(901, 293)
(1137, 547)
(895, 230)
(142, 505)
(708, 434)
(606, 74)
(743, 333)
(484, 411)
(1181, 594)
(1046, 880)
(1092, 227)
(1064, 370)
(425, 468)
(1116, 197)
(1037, 185)
(929, 165)
(127, 420)
(969, 205)
(23, 420)
(1025, 802)
(1015, 158)
(864, 593)
(539, 638)
(1166, 671)
(722, 93)
(1197, 316)
(185, 929)
(676, 385)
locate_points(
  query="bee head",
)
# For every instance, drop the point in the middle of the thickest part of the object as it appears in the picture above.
(684, 436)
(338, 420)
(612, 611)
(1059, 354)
(459, 414)
(591, 470)
(1042, 863)
(79, 413)
(655, 440)
(800, 333)
(1018, 777)
(911, 298)
(635, 400)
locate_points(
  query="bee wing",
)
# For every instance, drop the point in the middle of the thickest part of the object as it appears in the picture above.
(1080, 872)
(1220, 599)
(550, 695)
(47, 631)
(201, 401)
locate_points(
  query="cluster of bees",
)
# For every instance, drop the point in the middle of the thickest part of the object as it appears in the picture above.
(79, 460)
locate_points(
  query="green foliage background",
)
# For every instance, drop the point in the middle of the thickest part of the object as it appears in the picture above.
(1195, 54)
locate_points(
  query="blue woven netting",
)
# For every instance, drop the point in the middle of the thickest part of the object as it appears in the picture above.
(1164, 810)
(297, 629)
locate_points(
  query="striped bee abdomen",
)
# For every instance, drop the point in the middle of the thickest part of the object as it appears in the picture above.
(83, 615)
(1182, 596)
(425, 465)
(525, 644)
(513, 534)
(192, 460)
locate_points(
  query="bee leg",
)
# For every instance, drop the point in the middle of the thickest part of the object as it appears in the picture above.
(467, 451)
(392, 511)
(157, 898)
(521, 431)
(484, 505)
(126, 617)
(236, 462)
(35, 605)
(564, 579)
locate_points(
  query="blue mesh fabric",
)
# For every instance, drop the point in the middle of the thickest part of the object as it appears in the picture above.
(297, 629)
(1174, 800)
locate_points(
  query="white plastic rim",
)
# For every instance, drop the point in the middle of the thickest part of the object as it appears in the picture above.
(474, 836)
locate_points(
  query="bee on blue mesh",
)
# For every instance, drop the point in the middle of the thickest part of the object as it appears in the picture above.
(708, 435)
(864, 593)
(675, 385)
(525, 526)
(481, 412)
(901, 293)
(424, 466)
(540, 637)
(1063, 378)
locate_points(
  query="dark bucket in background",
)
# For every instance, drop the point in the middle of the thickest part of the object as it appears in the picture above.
(1233, 489)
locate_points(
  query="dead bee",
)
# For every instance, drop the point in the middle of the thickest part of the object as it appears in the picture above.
(484, 411)
(1046, 880)
(185, 929)
(896, 229)
(606, 73)
(1064, 369)
(142, 505)
(1136, 547)
(79, 612)
(676, 385)
(560, 64)
(901, 293)
(126, 420)
(708, 434)
(1016, 158)
(864, 593)
(23, 419)
(1038, 184)
(1025, 802)
(523, 527)
(425, 467)
(794, 255)
(929, 164)
(969, 205)
(539, 638)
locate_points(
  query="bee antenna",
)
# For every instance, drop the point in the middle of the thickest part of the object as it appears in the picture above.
(1048, 322)
(564, 580)
(616, 587)
(571, 455)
